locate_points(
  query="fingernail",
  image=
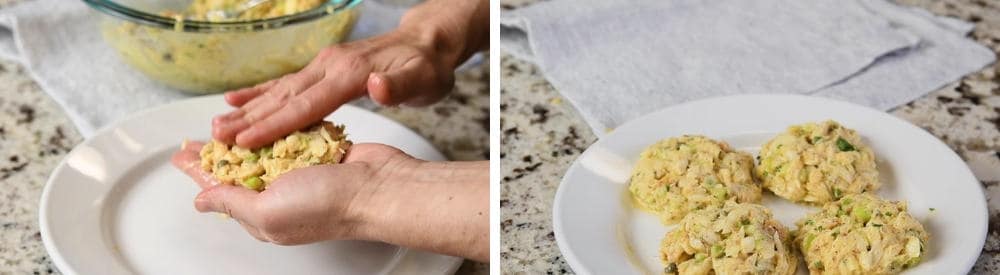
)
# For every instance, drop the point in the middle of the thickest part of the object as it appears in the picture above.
(203, 205)
(378, 91)
(217, 120)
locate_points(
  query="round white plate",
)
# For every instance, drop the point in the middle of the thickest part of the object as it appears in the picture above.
(598, 233)
(115, 205)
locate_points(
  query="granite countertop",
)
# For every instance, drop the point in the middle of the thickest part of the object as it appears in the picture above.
(541, 135)
(35, 134)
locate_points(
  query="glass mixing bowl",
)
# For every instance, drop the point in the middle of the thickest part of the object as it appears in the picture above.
(203, 57)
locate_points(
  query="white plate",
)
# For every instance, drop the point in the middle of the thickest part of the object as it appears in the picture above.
(598, 233)
(115, 205)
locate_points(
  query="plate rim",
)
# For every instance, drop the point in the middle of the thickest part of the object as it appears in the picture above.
(576, 264)
(43, 216)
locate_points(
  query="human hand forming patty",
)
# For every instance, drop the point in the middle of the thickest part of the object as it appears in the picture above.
(378, 193)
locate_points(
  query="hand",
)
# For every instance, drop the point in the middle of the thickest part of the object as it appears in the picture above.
(305, 205)
(400, 67)
(378, 193)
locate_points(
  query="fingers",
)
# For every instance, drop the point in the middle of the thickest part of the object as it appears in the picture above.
(260, 102)
(242, 96)
(281, 94)
(413, 83)
(304, 109)
(226, 126)
(235, 201)
(193, 146)
(379, 90)
(188, 161)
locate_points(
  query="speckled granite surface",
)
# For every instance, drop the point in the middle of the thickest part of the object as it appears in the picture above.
(541, 135)
(35, 134)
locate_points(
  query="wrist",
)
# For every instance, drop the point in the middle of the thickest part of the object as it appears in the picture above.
(435, 206)
(375, 203)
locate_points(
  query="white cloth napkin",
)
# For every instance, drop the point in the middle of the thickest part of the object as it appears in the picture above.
(60, 45)
(616, 60)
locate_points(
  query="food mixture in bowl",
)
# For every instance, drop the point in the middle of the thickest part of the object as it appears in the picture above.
(227, 57)
(739, 238)
(861, 234)
(817, 163)
(682, 174)
(202, 9)
(324, 143)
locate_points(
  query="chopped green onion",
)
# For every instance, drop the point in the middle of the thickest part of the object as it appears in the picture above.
(221, 163)
(253, 183)
(862, 214)
(844, 146)
(809, 241)
(717, 251)
(720, 193)
(845, 202)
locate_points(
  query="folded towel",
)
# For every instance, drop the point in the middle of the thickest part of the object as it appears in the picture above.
(617, 60)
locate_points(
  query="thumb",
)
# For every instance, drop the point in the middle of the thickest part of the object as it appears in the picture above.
(415, 83)
(235, 201)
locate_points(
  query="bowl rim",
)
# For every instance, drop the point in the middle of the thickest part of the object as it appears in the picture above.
(110, 7)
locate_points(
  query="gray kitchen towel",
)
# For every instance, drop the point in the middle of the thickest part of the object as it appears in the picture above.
(618, 60)
(59, 43)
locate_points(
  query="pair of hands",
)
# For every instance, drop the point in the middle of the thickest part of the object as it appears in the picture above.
(378, 193)
(317, 203)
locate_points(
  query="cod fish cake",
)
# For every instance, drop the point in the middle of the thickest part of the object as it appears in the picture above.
(323, 143)
(682, 174)
(739, 238)
(861, 234)
(817, 163)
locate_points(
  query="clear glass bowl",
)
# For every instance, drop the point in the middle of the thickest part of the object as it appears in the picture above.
(202, 57)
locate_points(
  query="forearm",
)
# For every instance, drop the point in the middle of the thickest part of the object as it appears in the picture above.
(436, 206)
(457, 29)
